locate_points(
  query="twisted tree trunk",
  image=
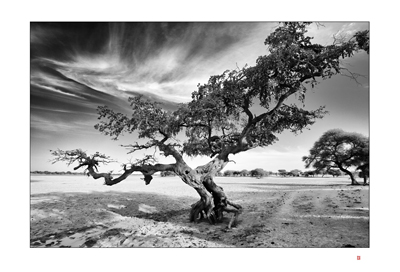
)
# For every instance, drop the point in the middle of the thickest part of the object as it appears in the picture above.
(213, 201)
(220, 200)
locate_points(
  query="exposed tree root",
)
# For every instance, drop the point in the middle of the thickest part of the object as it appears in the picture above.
(221, 204)
(198, 212)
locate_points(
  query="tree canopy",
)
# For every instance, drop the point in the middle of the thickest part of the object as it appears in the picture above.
(295, 172)
(258, 172)
(282, 172)
(337, 149)
(219, 119)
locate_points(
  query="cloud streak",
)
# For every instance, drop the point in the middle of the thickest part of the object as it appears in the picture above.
(167, 59)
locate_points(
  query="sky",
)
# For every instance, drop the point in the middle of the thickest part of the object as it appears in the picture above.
(76, 67)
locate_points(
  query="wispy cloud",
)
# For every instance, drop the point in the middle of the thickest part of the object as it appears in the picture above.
(170, 67)
(54, 89)
(50, 125)
(349, 29)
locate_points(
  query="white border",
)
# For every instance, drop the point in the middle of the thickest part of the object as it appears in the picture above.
(15, 159)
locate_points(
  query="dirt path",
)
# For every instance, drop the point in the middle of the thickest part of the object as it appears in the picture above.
(320, 218)
(286, 216)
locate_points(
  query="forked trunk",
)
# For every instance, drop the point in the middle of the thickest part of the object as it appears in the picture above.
(220, 201)
(190, 177)
(353, 180)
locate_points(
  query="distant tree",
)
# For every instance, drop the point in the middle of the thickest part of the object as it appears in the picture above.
(282, 172)
(334, 172)
(244, 173)
(228, 173)
(258, 172)
(295, 173)
(269, 173)
(255, 173)
(337, 149)
(309, 173)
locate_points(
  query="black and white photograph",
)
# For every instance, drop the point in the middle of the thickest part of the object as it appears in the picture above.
(186, 134)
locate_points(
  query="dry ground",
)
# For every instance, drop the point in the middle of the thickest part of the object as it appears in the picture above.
(75, 211)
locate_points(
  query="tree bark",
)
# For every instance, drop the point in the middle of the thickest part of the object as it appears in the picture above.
(147, 171)
(364, 171)
(220, 200)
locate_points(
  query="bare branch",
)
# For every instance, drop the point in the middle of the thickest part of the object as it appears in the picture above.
(92, 161)
(354, 76)
(136, 146)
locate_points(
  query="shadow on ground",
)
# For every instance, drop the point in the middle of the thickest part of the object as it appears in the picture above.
(276, 218)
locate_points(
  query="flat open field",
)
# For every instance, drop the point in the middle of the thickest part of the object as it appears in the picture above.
(77, 211)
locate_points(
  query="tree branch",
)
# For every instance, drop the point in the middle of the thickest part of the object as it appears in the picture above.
(247, 110)
(91, 162)
(146, 170)
(252, 122)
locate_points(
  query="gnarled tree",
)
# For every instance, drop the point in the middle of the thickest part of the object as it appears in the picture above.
(337, 149)
(220, 119)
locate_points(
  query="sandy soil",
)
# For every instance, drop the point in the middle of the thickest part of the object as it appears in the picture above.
(75, 211)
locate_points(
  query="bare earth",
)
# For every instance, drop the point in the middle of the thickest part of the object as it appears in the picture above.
(76, 211)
